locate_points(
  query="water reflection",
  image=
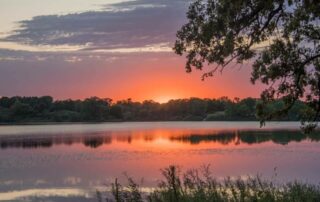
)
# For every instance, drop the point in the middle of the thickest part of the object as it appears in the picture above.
(67, 162)
(250, 137)
(96, 140)
(37, 194)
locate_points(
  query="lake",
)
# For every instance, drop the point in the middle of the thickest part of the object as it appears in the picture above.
(69, 162)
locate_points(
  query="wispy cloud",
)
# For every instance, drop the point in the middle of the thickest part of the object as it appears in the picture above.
(124, 27)
(161, 47)
(41, 47)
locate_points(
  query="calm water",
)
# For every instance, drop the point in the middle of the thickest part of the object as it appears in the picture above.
(69, 162)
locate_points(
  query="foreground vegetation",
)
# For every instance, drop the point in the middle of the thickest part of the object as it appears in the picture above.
(45, 109)
(201, 186)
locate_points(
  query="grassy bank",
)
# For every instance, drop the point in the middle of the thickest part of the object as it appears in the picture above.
(201, 186)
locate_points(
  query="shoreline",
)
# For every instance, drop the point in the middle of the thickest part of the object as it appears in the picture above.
(104, 122)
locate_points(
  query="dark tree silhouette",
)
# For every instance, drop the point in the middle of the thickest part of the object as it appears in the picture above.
(45, 109)
(280, 36)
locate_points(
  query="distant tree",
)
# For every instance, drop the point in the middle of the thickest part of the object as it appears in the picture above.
(95, 109)
(21, 110)
(35, 109)
(281, 36)
(148, 110)
(43, 103)
(217, 105)
(251, 104)
(5, 115)
(6, 102)
(116, 111)
(197, 106)
(65, 116)
(70, 105)
(242, 109)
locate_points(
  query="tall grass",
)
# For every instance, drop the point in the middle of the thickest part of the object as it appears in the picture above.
(200, 186)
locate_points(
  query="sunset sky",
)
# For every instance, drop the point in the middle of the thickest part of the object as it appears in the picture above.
(106, 48)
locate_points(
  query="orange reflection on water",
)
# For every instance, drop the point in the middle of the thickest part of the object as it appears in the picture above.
(157, 139)
(100, 155)
(164, 139)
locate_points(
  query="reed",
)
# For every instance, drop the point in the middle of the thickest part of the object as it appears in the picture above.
(199, 185)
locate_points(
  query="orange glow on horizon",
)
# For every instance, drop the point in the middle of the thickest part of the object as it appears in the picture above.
(157, 80)
(169, 80)
(164, 99)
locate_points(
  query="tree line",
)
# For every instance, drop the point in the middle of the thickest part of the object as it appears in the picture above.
(46, 109)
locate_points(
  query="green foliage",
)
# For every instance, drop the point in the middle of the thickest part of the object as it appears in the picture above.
(282, 37)
(21, 110)
(242, 108)
(220, 115)
(95, 109)
(116, 111)
(5, 115)
(65, 116)
(44, 109)
(200, 186)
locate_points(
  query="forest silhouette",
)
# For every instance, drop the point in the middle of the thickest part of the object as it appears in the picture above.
(94, 109)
